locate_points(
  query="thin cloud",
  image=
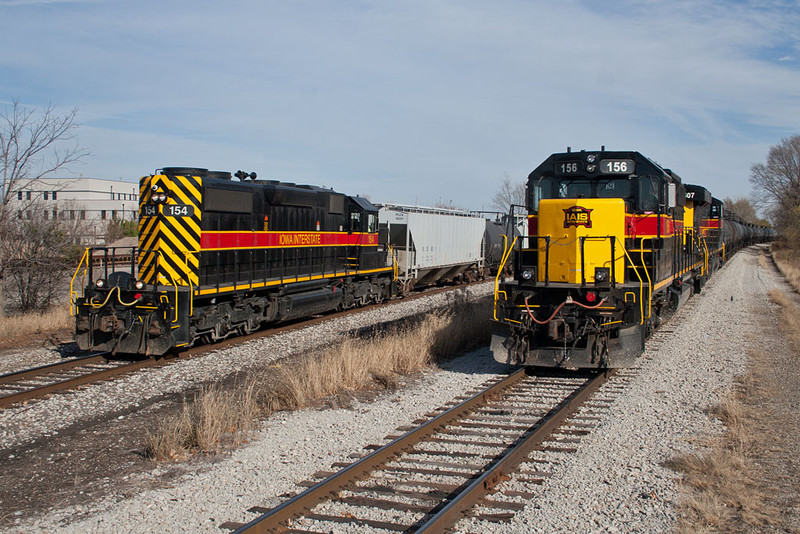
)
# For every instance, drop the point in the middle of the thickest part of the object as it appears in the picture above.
(409, 101)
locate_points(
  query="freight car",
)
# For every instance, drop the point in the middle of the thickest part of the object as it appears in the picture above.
(218, 257)
(616, 242)
(434, 245)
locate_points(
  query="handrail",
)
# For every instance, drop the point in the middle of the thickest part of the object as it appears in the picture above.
(503, 260)
(612, 239)
(395, 265)
(649, 281)
(641, 284)
(175, 285)
(72, 282)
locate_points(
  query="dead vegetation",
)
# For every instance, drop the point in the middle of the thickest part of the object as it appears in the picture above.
(789, 265)
(736, 484)
(720, 486)
(17, 327)
(218, 417)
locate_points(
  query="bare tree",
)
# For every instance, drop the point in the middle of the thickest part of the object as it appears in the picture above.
(778, 182)
(39, 253)
(743, 208)
(778, 185)
(34, 142)
(508, 193)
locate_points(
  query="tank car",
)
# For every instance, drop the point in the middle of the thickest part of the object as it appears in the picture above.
(217, 256)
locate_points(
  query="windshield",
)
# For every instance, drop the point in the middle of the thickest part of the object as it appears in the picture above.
(554, 187)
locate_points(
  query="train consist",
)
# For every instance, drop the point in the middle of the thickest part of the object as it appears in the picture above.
(218, 256)
(616, 243)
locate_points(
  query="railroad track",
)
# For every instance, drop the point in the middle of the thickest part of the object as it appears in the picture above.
(45, 380)
(446, 468)
(39, 382)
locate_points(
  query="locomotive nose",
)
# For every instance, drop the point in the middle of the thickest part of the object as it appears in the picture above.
(587, 236)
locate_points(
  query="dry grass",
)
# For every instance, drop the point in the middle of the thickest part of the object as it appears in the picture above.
(217, 417)
(790, 316)
(720, 488)
(214, 419)
(22, 326)
(788, 263)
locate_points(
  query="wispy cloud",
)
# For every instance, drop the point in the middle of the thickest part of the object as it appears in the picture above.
(411, 101)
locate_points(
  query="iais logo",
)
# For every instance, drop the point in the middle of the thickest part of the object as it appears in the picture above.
(577, 216)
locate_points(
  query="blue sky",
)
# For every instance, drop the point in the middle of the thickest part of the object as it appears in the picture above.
(413, 101)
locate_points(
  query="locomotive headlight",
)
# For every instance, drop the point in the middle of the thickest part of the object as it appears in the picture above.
(100, 283)
(161, 197)
(139, 284)
(591, 167)
(602, 275)
(526, 274)
(591, 158)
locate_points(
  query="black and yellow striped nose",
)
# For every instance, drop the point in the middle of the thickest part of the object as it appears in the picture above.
(169, 229)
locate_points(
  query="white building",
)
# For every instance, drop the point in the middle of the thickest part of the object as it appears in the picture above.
(93, 200)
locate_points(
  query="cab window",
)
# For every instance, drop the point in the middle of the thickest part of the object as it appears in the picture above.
(355, 221)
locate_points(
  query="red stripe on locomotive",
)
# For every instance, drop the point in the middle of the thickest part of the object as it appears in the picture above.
(231, 240)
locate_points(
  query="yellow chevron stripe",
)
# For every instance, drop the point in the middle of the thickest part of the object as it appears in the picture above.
(171, 233)
(193, 185)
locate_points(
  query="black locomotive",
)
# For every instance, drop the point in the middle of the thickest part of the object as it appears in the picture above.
(615, 243)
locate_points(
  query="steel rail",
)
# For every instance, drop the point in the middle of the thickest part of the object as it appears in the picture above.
(497, 472)
(42, 371)
(16, 376)
(275, 518)
(70, 383)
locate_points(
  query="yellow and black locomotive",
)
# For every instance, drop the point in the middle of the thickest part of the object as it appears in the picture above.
(615, 243)
(217, 256)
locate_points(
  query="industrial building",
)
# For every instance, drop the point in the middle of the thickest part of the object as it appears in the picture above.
(93, 202)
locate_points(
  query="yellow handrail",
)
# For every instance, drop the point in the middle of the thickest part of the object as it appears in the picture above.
(503, 260)
(72, 282)
(641, 284)
(395, 265)
(649, 281)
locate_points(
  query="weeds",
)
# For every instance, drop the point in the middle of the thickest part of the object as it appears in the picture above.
(218, 417)
(23, 325)
(789, 264)
(719, 487)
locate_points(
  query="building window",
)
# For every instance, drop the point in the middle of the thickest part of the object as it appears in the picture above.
(83, 215)
(28, 196)
(55, 195)
(113, 214)
(55, 214)
(72, 214)
(19, 195)
(45, 195)
(19, 214)
(46, 215)
(103, 214)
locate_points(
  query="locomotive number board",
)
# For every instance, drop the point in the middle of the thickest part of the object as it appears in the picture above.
(568, 168)
(170, 210)
(617, 166)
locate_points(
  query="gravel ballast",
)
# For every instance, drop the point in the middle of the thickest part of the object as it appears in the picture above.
(615, 482)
